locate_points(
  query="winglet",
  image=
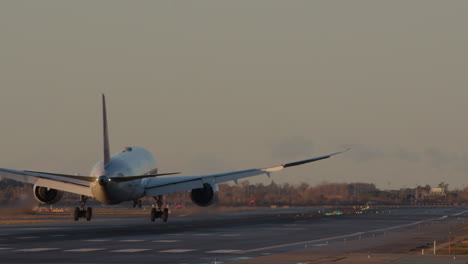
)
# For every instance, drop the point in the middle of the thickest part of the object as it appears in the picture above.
(300, 162)
(105, 131)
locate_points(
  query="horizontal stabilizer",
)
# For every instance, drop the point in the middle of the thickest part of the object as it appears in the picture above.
(115, 179)
(131, 178)
(76, 177)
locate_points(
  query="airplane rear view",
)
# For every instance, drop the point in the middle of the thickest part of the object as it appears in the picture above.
(131, 175)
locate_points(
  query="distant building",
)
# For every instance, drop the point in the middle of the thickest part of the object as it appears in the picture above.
(422, 193)
(438, 191)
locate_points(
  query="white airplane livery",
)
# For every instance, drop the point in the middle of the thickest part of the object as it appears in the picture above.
(129, 176)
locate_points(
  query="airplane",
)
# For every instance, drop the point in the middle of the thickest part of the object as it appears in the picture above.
(131, 175)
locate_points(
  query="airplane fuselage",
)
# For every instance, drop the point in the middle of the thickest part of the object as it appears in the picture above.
(130, 162)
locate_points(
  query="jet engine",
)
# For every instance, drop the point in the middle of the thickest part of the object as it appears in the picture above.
(46, 195)
(204, 196)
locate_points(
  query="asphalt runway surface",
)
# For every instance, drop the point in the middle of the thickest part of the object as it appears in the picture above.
(221, 237)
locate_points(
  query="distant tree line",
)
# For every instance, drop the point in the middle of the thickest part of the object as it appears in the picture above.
(244, 194)
(12, 192)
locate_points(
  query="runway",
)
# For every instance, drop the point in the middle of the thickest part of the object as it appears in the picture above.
(224, 237)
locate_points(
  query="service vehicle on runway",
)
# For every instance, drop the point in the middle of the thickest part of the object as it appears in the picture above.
(129, 176)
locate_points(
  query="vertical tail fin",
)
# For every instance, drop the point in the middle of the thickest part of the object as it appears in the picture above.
(105, 131)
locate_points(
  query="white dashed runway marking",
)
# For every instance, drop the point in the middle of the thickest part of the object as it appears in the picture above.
(39, 228)
(223, 251)
(240, 258)
(319, 245)
(36, 249)
(177, 250)
(166, 241)
(287, 228)
(28, 237)
(130, 250)
(5, 248)
(84, 249)
(230, 235)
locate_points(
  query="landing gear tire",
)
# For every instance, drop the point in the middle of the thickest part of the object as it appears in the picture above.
(76, 214)
(89, 213)
(137, 203)
(159, 212)
(153, 214)
(81, 212)
(165, 215)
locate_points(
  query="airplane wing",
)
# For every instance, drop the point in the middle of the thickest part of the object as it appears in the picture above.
(164, 185)
(68, 183)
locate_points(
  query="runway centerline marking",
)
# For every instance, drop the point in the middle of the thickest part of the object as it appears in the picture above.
(84, 249)
(286, 228)
(38, 228)
(131, 250)
(230, 235)
(223, 251)
(28, 237)
(165, 241)
(36, 249)
(240, 258)
(5, 248)
(176, 250)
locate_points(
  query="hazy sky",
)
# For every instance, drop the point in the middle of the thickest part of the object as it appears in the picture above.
(212, 86)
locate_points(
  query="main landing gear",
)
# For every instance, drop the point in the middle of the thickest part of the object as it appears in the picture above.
(81, 212)
(137, 203)
(159, 212)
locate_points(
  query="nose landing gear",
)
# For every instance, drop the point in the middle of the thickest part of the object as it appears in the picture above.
(81, 212)
(159, 212)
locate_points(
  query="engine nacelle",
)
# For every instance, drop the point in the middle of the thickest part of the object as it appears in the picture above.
(46, 195)
(204, 196)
